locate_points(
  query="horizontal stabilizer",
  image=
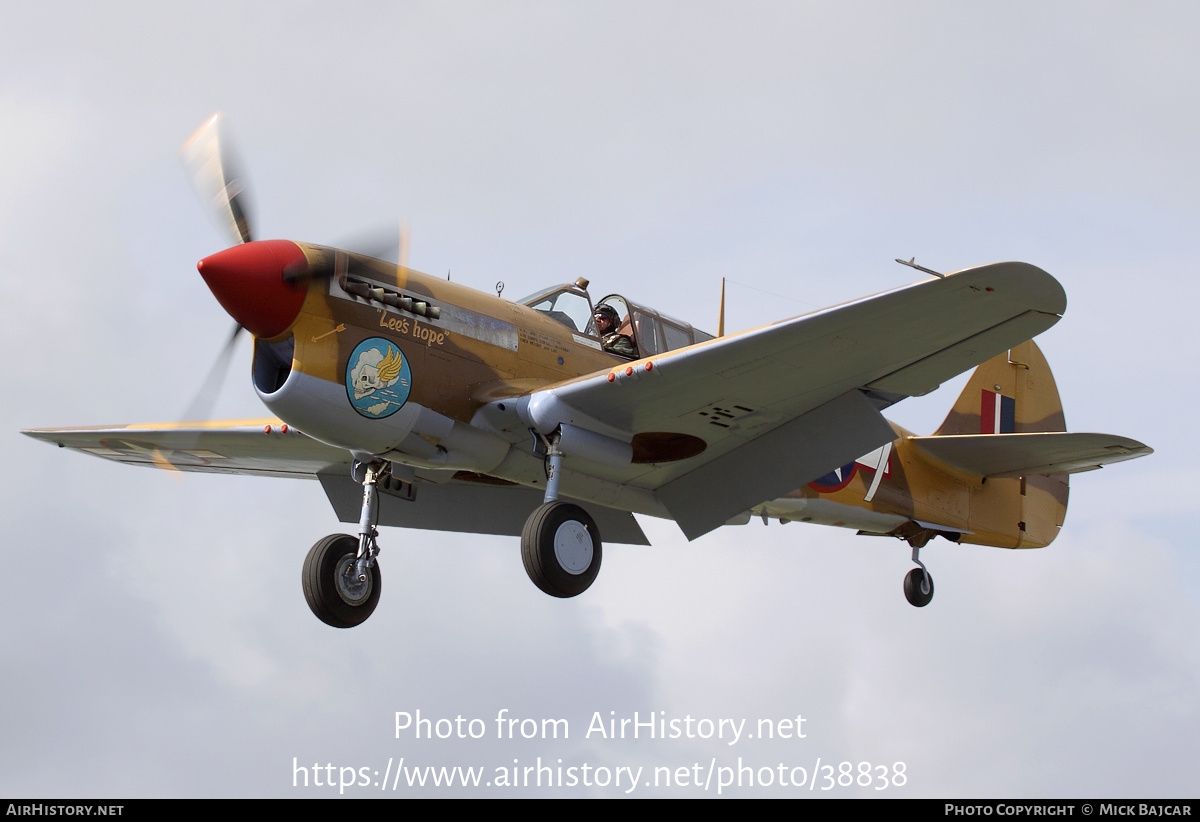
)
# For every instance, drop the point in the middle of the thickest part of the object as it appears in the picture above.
(1015, 455)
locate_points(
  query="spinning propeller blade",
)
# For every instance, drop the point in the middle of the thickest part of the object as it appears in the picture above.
(389, 243)
(202, 404)
(215, 171)
(216, 175)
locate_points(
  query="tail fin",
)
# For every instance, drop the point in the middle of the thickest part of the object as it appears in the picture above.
(1013, 393)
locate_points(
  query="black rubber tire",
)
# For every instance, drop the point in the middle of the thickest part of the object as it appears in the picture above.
(537, 549)
(319, 578)
(912, 588)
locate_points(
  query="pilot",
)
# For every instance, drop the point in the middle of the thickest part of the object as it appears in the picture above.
(607, 323)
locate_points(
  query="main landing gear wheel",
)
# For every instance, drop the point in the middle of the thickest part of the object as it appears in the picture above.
(918, 587)
(560, 547)
(334, 592)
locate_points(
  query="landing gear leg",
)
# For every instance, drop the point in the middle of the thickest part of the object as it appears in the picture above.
(341, 575)
(918, 583)
(560, 545)
(368, 548)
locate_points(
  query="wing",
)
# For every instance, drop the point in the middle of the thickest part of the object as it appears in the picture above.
(722, 426)
(262, 447)
(267, 447)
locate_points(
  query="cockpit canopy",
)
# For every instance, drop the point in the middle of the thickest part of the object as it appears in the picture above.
(568, 304)
(652, 331)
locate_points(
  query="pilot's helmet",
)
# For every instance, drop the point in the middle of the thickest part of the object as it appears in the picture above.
(609, 313)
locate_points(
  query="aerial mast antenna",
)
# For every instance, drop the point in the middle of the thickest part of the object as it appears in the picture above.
(721, 318)
(913, 264)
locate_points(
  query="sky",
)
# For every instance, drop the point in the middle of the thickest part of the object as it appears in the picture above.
(156, 642)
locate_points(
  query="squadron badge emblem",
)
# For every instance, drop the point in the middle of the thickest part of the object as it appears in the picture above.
(378, 378)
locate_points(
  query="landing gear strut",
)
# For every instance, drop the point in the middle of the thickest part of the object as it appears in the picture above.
(918, 583)
(341, 575)
(560, 545)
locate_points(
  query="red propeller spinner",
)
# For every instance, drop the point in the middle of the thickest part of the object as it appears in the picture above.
(248, 281)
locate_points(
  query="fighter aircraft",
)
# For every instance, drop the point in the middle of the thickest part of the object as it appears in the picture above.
(421, 403)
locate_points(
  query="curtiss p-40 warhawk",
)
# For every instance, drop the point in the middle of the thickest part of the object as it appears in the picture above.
(421, 403)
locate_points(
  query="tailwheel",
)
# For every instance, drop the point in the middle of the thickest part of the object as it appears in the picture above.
(560, 547)
(341, 592)
(918, 587)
